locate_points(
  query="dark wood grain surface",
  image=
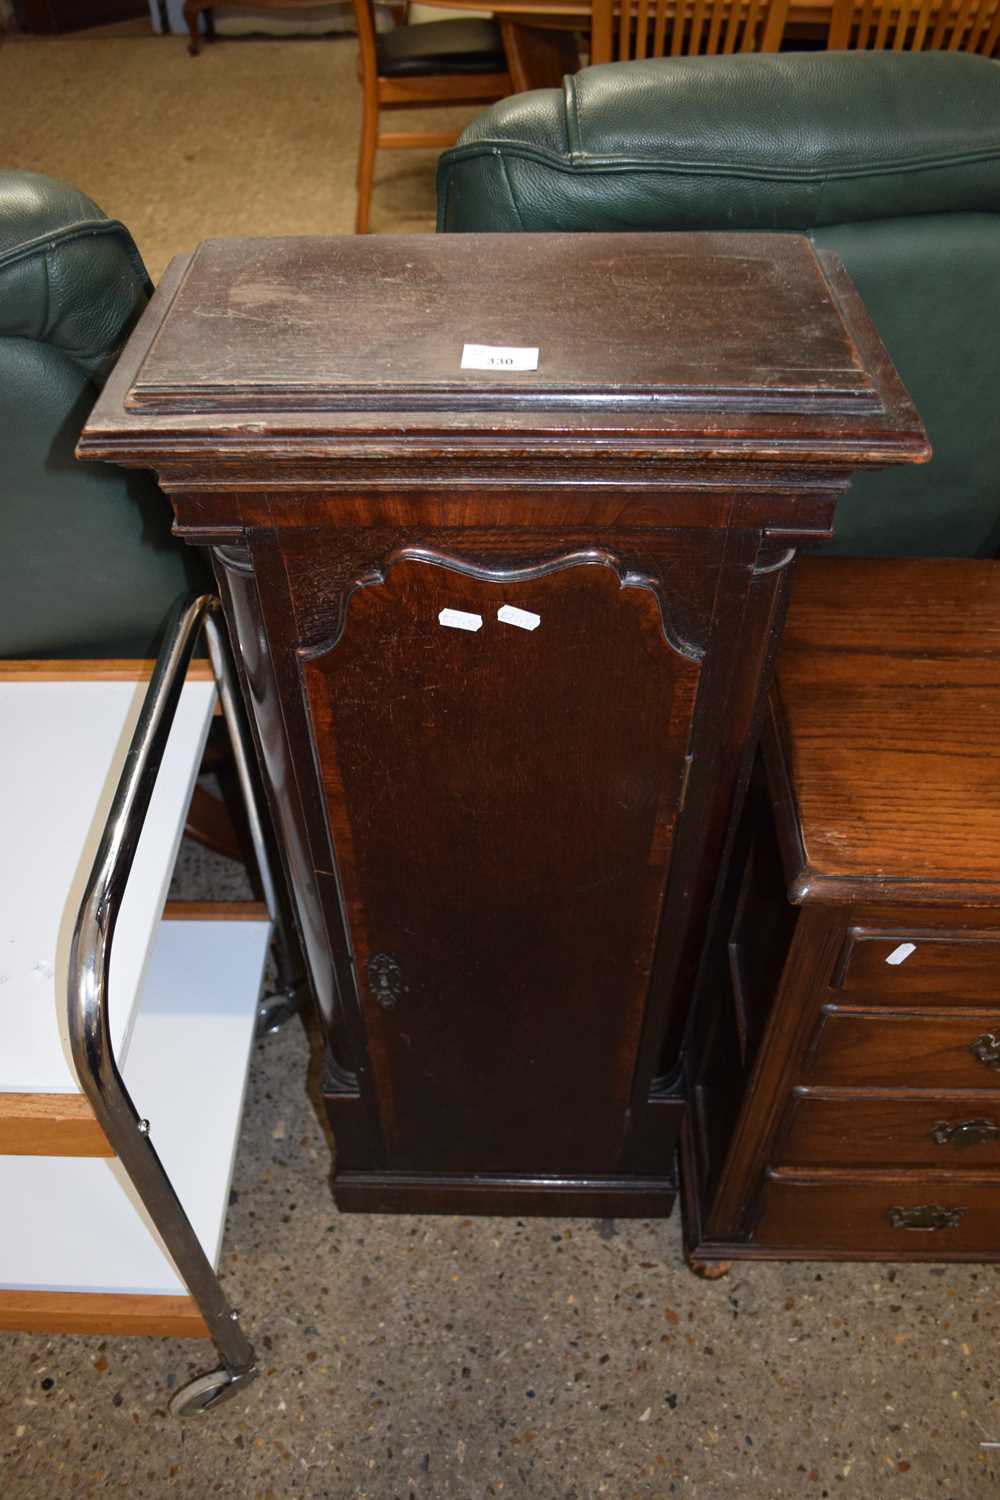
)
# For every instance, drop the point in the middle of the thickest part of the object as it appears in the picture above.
(853, 1218)
(889, 682)
(939, 970)
(750, 325)
(901, 1051)
(660, 341)
(864, 1131)
(503, 803)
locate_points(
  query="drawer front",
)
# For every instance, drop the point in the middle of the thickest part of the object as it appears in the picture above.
(908, 1052)
(937, 972)
(890, 1133)
(863, 1218)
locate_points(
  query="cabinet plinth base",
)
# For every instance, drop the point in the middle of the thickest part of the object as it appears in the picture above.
(589, 1198)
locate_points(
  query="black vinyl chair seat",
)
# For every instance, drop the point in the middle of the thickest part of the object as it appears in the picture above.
(461, 46)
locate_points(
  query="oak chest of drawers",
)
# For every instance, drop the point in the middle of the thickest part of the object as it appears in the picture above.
(845, 1058)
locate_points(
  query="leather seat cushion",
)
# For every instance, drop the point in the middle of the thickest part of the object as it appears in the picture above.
(462, 46)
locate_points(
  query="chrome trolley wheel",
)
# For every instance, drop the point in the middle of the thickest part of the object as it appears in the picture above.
(206, 1392)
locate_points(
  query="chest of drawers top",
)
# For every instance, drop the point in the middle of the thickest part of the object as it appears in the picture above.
(883, 745)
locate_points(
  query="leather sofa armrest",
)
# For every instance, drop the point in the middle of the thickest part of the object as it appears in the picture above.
(70, 277)
(789, 141)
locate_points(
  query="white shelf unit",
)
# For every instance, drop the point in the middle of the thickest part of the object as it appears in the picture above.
(182, 998)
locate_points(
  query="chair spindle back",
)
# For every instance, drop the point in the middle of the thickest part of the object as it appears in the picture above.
(624, 30)
(916, 26)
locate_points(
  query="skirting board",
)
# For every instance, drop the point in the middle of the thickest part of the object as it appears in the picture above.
(401, 1193)
(96, 1312)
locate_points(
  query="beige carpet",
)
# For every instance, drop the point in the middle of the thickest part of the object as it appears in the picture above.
(252, 137)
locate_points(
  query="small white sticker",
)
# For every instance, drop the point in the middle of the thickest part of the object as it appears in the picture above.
(498, 357)
(458, 619)
(509, 614)
(901, 954)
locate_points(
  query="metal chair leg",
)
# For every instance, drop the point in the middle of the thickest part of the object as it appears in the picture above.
(90, 957)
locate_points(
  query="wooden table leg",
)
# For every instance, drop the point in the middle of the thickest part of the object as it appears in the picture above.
(537, 58)
(192, 12)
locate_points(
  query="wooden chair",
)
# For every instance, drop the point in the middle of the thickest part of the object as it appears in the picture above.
(428, 65)
(916, 25)
(622, 30)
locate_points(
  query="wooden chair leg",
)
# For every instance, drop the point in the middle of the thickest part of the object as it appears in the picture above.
(537, 59)
(366, 164)
(192, 10)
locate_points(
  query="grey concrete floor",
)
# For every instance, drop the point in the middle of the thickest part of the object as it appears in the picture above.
(405, 1358)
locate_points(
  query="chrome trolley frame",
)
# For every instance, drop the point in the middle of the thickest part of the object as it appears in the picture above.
(90, 957)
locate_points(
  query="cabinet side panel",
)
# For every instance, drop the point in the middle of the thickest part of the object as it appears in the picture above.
(238, 589)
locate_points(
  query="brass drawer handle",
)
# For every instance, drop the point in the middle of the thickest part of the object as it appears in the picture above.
(986, 1049)
(925, 1216)
(965, 1132)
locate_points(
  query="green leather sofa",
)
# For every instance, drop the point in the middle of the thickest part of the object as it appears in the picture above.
(890, 159)
(88, 567)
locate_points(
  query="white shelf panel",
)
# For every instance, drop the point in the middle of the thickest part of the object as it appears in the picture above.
(79, 1226)
(62, 747)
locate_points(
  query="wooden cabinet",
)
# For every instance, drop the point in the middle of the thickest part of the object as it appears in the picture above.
(45, 16)
(503, 633)
(858, 946)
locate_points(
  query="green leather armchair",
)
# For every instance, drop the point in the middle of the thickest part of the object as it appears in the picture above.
(88, 567)
(890, 159)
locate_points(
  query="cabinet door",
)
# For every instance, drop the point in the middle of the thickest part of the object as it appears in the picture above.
(502, 801)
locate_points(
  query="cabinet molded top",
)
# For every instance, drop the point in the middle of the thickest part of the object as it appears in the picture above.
(727, 346)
